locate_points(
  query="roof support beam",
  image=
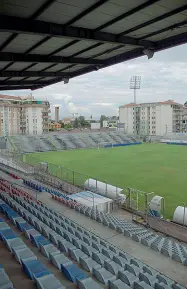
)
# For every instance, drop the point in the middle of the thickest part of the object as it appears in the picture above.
(90, 9)
(7, 56)
(156, 19)
(128, 13)
(87, 11)
(19, 87)
(20, 25)
(45, 6)
(166, 29)
(33, 74)
(27, 82)
(161, 45)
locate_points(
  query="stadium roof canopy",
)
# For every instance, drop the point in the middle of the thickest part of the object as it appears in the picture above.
(46, 41)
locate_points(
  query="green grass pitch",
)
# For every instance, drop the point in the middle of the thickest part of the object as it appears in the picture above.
(158, 168)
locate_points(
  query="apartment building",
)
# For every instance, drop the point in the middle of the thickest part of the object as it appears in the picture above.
(156, 118)
(23, 115)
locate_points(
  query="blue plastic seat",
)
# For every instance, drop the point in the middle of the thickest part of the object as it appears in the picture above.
(72, 272)
(35, 269)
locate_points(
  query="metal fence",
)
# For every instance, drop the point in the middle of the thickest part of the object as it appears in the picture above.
(136, 200)
(67, 175)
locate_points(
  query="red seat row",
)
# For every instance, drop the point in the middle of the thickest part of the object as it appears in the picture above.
(69, 203)
(5, 186)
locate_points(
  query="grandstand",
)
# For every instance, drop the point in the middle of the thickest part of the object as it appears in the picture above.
(46, 239)
(66, 141)
(33, 228)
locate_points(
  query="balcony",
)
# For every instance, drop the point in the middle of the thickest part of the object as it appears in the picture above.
(45, 115)
(45, 121)
(46, 110)
(22, 124)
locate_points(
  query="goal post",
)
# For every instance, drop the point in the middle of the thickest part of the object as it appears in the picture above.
(104, 145)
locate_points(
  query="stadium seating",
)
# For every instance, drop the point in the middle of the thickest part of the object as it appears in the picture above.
(172, 249)
(67, 141)
(5, 282)
(130, 272)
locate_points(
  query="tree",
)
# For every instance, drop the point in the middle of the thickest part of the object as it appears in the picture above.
(82, 121)
(76, 123)
(102, 118)
(68, 126)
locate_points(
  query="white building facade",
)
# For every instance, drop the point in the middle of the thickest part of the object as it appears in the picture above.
(23, 116)
(157, 118)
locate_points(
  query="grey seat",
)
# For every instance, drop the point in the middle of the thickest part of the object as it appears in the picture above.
(59, 259)
(24, 255)
(148, 279)
(78, 243)
(118, 284)
(5, 282)
(88, 250)
(112, 267)
(15, 243)
(49, 249)
(87, 240)
(141, 285)
(88, 283)
(164, 279)
(46, 231)
(65, 245)
(128, 278)
(133, 269)
(120, 261)
(89, 264)
(99, 258)
(4, 225)
(107, 252)
(48, 282)
(76, 254)
(54, 237)
(103, 275)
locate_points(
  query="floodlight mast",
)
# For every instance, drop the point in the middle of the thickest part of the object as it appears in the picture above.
(135, 82)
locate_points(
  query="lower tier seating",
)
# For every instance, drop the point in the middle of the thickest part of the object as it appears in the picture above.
(108, 264)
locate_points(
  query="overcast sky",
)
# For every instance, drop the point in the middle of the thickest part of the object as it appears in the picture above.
(101, 92)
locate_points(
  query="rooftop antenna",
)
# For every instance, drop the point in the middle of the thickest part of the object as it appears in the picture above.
(135, 82)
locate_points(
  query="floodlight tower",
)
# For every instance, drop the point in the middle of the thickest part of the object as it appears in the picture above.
(135, 82)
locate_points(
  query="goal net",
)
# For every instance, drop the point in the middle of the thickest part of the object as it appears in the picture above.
(104, 145)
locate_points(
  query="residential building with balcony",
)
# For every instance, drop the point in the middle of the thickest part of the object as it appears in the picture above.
(156, 118)
(54, 126)
(21, 115)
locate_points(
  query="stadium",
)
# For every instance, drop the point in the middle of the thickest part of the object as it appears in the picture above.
(108, 179)
(89, 209)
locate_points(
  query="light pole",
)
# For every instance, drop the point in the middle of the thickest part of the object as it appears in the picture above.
(135, 82)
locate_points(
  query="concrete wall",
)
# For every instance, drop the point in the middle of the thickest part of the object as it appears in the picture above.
(95, 125)
(171, 229)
